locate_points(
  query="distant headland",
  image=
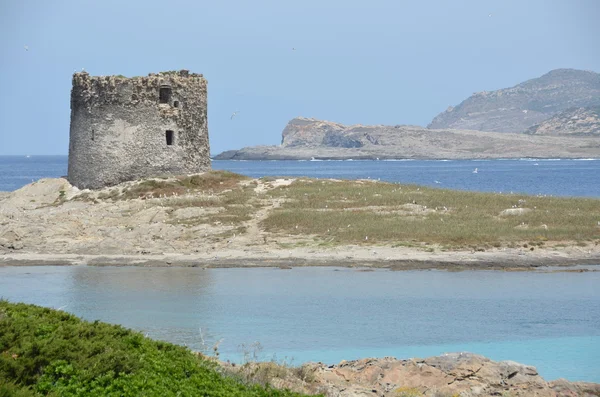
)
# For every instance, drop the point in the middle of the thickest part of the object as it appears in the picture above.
(554, 116)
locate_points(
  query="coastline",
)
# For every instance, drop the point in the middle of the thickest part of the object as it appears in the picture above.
(445, 375)
(566, 259)
(306, 138)
(227, 220)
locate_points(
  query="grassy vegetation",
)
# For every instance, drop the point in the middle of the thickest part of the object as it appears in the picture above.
(375, 212)
(220, 190)
(209, 182)
(212, 182)
(48, 352)
(332, 213)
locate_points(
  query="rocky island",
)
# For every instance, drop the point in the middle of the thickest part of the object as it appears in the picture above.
(518, 108)
(306, 139)
(554, 116)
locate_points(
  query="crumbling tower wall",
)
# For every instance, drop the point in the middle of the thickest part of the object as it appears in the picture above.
(130, 128)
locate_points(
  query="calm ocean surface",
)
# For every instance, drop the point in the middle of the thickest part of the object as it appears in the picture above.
(550, 320)
(551, 177)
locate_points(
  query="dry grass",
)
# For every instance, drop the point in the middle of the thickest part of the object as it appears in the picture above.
(215, 189)
(407, 392)
(209, 182)
(343, 212)
(332, 213)
(278, 374)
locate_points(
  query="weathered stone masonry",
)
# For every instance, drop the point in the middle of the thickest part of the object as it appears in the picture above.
(129, 128)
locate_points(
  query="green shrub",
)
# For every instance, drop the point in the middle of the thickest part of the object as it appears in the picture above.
(49, 352)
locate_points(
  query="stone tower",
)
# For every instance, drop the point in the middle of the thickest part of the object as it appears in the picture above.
(128, 128)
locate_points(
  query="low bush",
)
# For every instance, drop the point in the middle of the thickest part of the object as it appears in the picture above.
(49, 352)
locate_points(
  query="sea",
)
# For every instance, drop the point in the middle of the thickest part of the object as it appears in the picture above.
(549, 320)
(555, 177)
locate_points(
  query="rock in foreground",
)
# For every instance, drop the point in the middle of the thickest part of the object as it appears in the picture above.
(455, 374)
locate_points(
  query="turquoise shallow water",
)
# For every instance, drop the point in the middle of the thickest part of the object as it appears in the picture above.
(573, 358)
(550, 320)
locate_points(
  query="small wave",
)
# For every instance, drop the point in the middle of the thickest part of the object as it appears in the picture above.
(541, 159)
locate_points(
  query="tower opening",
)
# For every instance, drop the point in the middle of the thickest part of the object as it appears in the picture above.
(164, 94)
(169, 135)
(176, 104)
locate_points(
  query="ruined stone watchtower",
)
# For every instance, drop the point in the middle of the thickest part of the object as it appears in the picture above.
(129, 128)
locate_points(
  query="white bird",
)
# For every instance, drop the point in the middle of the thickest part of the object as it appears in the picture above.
(437, 182)
(26, 48)
(490, 15)
(293, 49)
(234, 114)
(475, 171)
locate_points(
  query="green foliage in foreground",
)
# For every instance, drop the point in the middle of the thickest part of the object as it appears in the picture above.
(49, 352)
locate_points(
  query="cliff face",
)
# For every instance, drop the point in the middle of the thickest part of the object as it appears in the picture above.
(575, 121)
(305, 132)
(305, 138)
(517, 108)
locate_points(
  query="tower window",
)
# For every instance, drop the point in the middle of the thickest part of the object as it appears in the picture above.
(93, 134)
(164, 94)
(169, 135)
(176, 104)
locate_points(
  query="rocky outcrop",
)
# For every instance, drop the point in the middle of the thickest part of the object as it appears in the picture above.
(517, 108)
(305, 138)
(311, 132)
(455, 374)
(575, 122)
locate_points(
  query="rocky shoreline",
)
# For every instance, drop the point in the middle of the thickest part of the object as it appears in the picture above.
(235, 259)
(449, 375)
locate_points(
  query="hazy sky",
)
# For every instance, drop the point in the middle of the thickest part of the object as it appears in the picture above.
(367, 62)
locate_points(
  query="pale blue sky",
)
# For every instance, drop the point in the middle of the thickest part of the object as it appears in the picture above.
(368, 62)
